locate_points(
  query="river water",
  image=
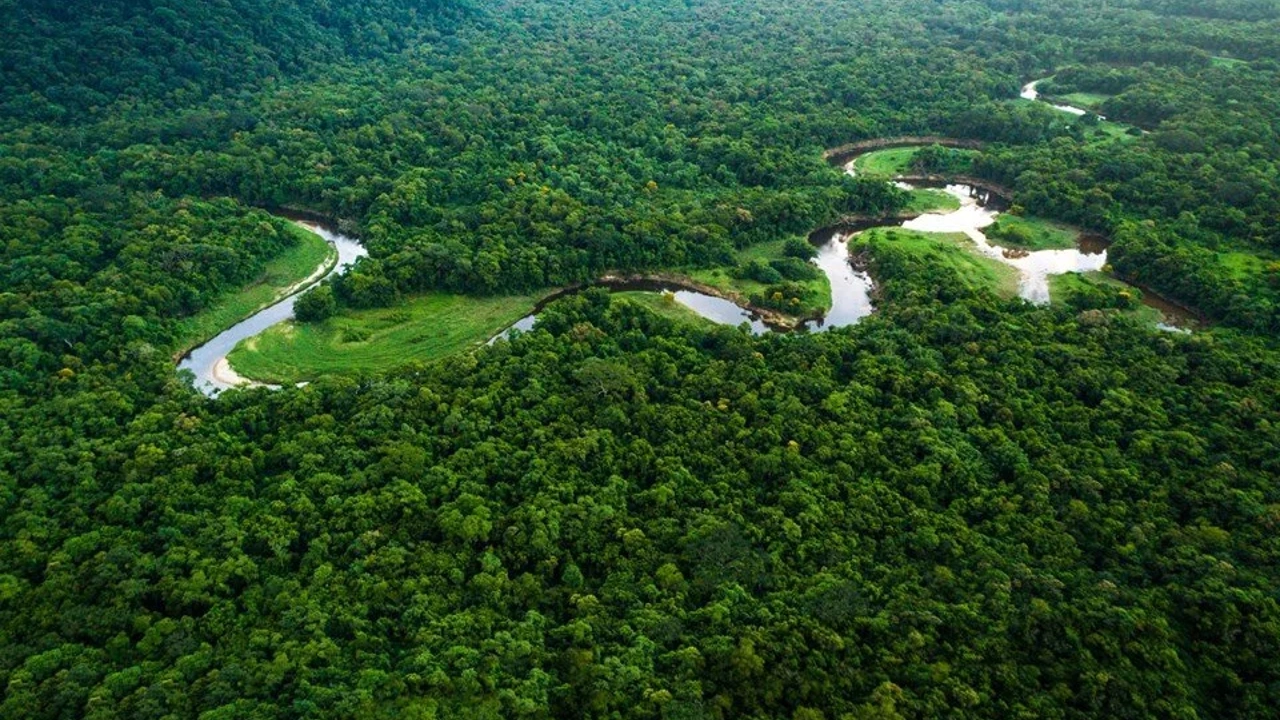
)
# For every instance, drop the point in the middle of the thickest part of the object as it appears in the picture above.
(851, 289)
(208, 362)
(715, 309)
(1034, 267)
(1029, 92)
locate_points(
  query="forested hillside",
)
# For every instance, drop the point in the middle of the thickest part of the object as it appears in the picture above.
(71, 60)
(963, 506)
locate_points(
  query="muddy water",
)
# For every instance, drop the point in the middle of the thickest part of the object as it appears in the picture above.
(1035, 267)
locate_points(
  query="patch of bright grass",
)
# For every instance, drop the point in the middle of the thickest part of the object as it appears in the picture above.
(1242, 265)
(1031, 233)
(925, 200)
(423, 327)
(292, 266)
(885, 163)
(1086, 100)
(954, 251)
(664, 304)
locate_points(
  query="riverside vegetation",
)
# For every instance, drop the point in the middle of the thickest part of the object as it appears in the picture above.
(965, 505)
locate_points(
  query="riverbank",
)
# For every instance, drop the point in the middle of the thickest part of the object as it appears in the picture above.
(773, 318)
(946, 226)
(421, 327)
(296, 269)
(205, 362)
(842, 154)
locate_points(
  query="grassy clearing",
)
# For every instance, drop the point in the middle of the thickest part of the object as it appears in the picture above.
(886, 163)
(426, 326)
(1032, 233)
(1086, 100)
(723, 278)
(1242, 265)
(294, 265)
(925, 200)
(1108, 131)
(1105, 131)
(954, 251)
(663, 304)
(1226, 62)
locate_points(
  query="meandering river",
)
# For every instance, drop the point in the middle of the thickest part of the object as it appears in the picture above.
(209, 361)
(1029, 92)
(851, 289)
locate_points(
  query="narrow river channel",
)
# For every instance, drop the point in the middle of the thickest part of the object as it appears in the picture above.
(1029, 92)
(851, 289)
(209, 361)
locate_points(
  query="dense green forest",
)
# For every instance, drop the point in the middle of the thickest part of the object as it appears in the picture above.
(963, 506)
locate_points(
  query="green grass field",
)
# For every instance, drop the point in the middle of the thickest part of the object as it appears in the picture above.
(723, 280)
(1031, 233)
(930, 200)
(294, 265)
(663, 304)
(885, 163)
(1242, 265)
(1086, 100)
(1109, 131)
(423, 327)
(1219, 61)
(954, 251)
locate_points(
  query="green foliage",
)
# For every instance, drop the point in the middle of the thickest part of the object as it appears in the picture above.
(74, 60)
(793, 268)
(855, 523)
(1031, 233)
(316, 305)
(947, 266)
(799, 248)
(1086, 293)
(964, 506)
(760, 271)
(282, 273)
(786, 296)
(423, 327)
(942, 160)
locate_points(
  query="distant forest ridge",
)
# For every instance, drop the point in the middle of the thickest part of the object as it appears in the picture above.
(64, 60)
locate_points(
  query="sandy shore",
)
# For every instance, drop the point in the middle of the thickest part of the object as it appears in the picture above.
(224, 373)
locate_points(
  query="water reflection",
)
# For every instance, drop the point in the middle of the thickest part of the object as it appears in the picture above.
(850, 288)
(1034, 267)
(715, 309)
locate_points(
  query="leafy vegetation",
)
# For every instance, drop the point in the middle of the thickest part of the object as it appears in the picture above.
(1031, 233)
(1096, 291)
(892, 162)
(280, 275)
(765, 268)
(964, 506)
(953, 251)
